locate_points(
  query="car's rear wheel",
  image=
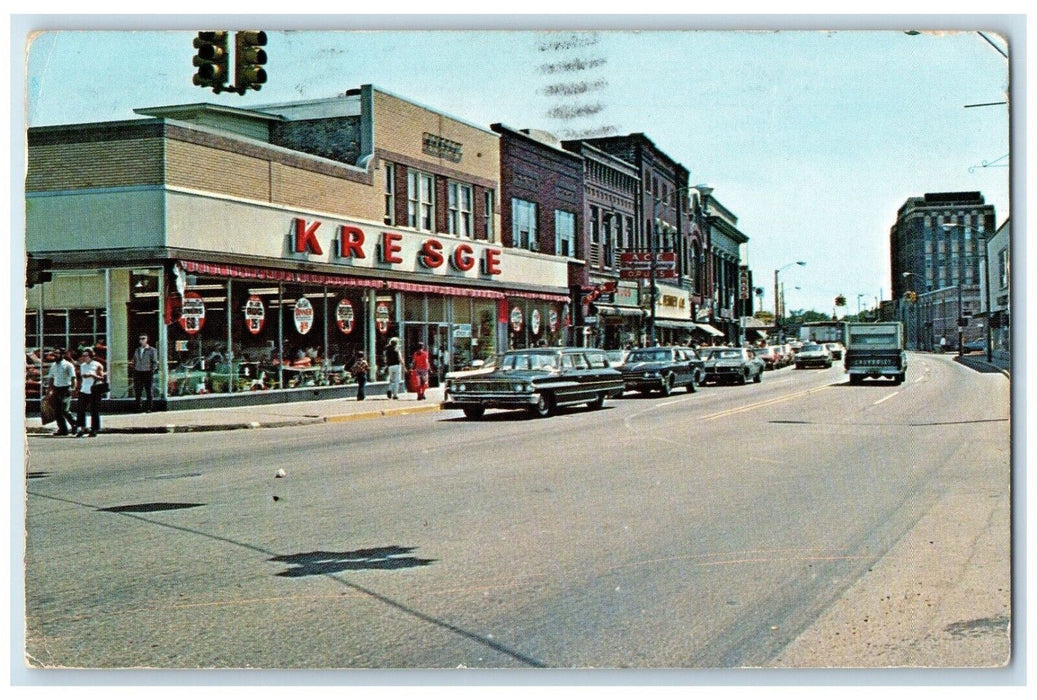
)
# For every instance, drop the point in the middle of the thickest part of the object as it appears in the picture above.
(474, 412)
(543, 407)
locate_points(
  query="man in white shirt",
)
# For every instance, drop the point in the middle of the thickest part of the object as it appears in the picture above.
(61, 379)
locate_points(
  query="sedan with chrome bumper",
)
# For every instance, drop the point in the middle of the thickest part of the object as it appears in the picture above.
(662, 369)
(538, 381)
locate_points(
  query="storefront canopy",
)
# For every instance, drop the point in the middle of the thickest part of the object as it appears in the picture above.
(709, 330)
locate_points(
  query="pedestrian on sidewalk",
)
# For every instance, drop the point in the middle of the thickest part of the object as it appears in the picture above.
(91, 376)
(420, 362)
(394, 367)
(61, 380)
(145, 362)
(359, 370)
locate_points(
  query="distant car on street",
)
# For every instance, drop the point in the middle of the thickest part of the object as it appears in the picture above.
(661, 369)
(813, 355)
(836, 349)
(978, 345)
(731, 365)
(771, 358)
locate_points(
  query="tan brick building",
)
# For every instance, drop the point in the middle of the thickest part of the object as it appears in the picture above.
(262, 249)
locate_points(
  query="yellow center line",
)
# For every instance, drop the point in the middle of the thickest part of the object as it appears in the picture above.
(762, 404)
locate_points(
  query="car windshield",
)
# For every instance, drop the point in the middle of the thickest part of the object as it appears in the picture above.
(527, 361)
(649, 356)
(811, 348)
(725, 354)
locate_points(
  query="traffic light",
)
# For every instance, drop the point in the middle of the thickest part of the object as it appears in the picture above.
(212, 60)
(249, 60)
(37, 270)
(840, 300)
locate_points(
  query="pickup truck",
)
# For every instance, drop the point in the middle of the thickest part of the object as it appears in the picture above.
(875, 350)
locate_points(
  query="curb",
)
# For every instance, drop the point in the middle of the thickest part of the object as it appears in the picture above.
(254, 425)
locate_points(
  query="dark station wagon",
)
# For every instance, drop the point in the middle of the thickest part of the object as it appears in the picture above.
(662, 369)
(537, 380)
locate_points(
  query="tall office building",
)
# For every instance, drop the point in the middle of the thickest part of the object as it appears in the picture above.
(939, 241)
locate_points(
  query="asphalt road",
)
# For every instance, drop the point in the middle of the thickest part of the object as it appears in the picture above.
(800, 522)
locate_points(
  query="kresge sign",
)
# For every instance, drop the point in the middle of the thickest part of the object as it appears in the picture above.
(392, 249)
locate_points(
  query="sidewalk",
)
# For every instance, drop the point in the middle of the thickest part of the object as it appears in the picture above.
(979, 363)
(251, 417)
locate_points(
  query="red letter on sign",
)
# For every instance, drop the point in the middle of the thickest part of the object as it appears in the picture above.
(463, 257)
(431, 254)
(350, 242)
(306, 238)
(391, 247)
(491, 262)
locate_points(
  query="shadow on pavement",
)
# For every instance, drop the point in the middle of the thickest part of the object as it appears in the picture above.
(321, 562)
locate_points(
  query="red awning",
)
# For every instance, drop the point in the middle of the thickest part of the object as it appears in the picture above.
(260, 273)
(276, 275)
(448, 291)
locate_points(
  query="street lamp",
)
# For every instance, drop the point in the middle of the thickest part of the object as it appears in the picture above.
(984, 289)
(777, 308)
(703, 190)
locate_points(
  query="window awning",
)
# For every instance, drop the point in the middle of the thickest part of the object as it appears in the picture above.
(708, 329)
(332, 280)
(272, 275)
(672, 323)
(613, 310)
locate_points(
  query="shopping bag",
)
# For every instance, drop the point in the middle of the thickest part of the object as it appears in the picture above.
(412, 381)
(49, 408)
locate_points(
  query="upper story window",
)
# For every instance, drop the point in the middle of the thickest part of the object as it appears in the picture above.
(420, 200)
(524, 224)
(459, 222)
(1004, 267)
(488, 220)
(390, 194)
(565, 233)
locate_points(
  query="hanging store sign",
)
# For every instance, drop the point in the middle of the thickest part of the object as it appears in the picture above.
(516, 319)
(641, 266)
(381, 317)
(303, 315)
(344, 316)
(192, 313)
(255, 314)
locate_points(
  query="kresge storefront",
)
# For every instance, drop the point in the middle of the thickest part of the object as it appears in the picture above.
(252, 301)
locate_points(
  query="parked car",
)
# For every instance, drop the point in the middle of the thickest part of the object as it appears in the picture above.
(616, 357)
(978, 345)
(732, 365)
(662, 369)
(771, 358)
(813, 355)
(836, 349)
(537, 380)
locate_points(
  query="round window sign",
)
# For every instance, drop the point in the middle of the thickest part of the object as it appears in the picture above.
(303, 315)
(344, 316)
(534, 321)
(381, 317)
(192, 313)
(552, 320)
(255, 314)
(516, 319)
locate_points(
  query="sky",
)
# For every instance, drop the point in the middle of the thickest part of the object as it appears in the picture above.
(813, 139)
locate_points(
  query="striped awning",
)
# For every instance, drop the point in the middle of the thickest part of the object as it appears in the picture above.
(276, 275)
(294, 276)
